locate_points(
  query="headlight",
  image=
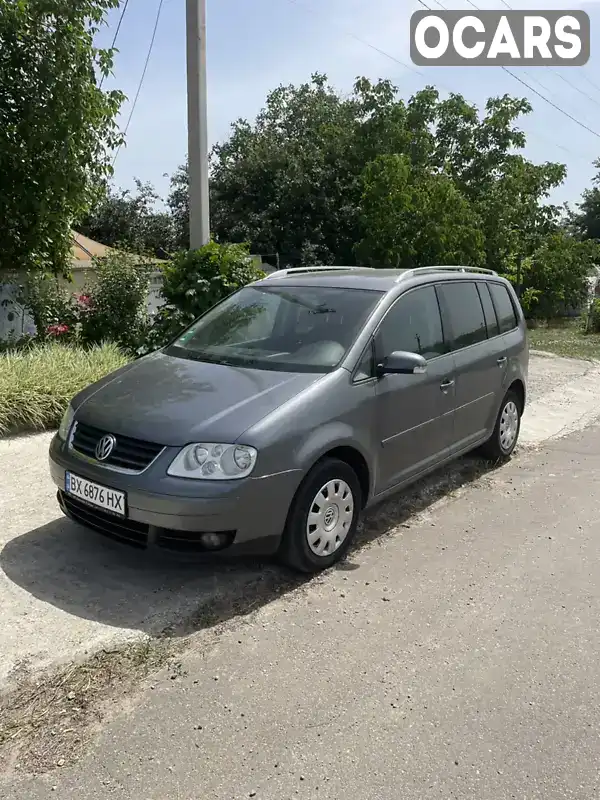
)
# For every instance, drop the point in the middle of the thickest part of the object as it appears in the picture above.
(214, 462)
(65, 423)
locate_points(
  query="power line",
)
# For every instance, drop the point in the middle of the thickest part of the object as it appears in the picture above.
(116, 36)
(558, 108)
(369, 44)
(585, 77)
(556, 72)
(577, 89)
(438, 84)
(141, 83)
(545, 88)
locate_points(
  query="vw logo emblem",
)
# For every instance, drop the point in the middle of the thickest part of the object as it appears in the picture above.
(105, 447)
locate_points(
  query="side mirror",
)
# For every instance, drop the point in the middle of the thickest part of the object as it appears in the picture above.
(402, 363)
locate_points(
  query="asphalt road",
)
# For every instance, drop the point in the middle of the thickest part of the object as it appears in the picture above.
(457, 658)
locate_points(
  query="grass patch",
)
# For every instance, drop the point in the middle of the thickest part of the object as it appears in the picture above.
(45, 723)
(37, 383)
(565, 340)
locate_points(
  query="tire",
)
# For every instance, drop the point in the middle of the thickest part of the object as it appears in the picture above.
(301, 542)
(501, 444)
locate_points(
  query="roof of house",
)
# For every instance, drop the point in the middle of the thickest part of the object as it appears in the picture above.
(85, 249)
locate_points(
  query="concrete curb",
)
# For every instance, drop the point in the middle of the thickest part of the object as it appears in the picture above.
(569, 408)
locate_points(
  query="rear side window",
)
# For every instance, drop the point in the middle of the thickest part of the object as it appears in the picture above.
(414, 325)
(462, 307)
(488, 310)
(507, 318)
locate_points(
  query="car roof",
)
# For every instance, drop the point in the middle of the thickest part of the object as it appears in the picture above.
(382, 280)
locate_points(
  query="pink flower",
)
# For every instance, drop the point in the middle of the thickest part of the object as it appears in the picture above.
(57, 330)
(84, 300)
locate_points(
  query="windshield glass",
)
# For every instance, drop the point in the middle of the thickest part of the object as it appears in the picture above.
(295, 329)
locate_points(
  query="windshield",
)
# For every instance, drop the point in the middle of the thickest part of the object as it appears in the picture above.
(295, 329)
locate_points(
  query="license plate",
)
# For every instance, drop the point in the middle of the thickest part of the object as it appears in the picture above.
(109, 500)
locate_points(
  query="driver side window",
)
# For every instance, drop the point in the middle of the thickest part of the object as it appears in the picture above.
(414, 324)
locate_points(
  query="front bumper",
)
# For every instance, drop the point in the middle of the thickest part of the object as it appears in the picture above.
(172, 512)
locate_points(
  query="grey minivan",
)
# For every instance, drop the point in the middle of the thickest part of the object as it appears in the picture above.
(280, 414)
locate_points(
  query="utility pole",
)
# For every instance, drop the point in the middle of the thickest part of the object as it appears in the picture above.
(197, 123)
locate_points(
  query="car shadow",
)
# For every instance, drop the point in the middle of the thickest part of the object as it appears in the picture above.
(86, 575)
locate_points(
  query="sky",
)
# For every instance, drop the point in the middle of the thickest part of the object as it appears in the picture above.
(255, 45)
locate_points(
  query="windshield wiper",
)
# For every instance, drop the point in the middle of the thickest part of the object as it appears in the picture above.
(319, 309)
(225, 361)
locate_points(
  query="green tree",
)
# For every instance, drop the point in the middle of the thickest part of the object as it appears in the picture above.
(515, 217)
(57, 126)
(293, 182)
(414, 219)
(585, 222)
(554, 278)
(178, 202)
(130, 221)
(508, 192)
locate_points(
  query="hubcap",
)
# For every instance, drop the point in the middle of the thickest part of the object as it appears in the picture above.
(330, 517)
(509, 425)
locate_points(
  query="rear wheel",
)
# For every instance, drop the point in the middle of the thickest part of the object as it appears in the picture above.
(323, 517)
(501, 444)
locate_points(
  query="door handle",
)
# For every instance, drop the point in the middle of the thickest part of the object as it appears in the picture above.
(501, 361)
(446, 385)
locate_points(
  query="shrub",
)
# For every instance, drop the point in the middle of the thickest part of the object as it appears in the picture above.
(554, 279)
(113, 307)
(37, 383)
(54, 308)
(592, 323)
(194, 281)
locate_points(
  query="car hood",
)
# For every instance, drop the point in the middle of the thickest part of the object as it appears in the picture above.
(174, 401)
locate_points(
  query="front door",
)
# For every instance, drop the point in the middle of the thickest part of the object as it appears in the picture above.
(414, 412)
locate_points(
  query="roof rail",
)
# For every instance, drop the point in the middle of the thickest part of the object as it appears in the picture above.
(281, 273)
(428, 270)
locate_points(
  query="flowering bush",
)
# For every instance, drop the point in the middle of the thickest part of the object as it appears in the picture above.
(57, 330)
(53, 307)
(112, 308)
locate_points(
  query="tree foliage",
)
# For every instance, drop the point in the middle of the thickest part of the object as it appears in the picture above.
(111, 307)
(372, 178)
(555, 277)
(413, 218)
(305, 179)
(586, 220)
(56, 129)
(179, 207)
(301, 170)
(130, 221)
(195, 281)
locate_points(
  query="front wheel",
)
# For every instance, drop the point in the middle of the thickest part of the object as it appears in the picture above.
(504, 439)
(323, 517)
